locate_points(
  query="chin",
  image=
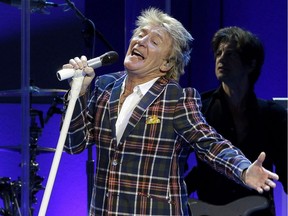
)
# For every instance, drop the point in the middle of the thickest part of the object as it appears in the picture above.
(132, 65)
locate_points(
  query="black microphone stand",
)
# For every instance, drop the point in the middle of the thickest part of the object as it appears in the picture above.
(89, 33)
(90, 29)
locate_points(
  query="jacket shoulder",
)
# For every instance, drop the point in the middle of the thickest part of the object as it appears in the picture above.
(272, 109)
(104, 80)
(207, 94)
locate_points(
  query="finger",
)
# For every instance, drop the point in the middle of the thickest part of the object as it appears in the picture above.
(73, 63)
(266, 188)
(67, 66)
(79, 62)
(273, 176)
(261, 158)
(260, 190)
(89, 71)
(84, 61)
(270, 183)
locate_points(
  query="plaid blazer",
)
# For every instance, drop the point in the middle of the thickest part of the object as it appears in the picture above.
(144, 173)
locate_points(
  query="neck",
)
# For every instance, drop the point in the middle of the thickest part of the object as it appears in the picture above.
(235, 94)
(133, 81)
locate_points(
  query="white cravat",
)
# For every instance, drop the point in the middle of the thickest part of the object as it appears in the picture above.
(129, 104)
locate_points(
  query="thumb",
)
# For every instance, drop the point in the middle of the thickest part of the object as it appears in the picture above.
(260, 159)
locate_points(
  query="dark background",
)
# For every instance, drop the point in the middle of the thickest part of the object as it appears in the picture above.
(60, 35)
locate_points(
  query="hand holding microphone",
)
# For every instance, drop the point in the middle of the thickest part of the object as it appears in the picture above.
(79, 67)
(82, 67)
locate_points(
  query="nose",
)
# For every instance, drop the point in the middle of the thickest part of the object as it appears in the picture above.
(221, 57)
(142, 41)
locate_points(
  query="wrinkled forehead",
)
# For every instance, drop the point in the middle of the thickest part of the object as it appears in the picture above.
(158, 30)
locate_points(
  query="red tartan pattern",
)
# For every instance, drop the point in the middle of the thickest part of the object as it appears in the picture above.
(143, 175)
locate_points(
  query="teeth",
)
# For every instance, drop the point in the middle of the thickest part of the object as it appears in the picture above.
(136, 52)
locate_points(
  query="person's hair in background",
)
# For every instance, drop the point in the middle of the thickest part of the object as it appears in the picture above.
(180, 36)
(249, 48)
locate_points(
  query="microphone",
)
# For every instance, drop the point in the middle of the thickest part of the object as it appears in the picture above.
(103, 60)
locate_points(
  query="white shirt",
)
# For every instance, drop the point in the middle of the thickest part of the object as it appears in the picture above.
(129, 104)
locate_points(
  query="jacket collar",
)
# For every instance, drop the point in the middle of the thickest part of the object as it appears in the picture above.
(152, 94)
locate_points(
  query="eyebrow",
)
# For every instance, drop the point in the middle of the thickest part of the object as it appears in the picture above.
(145, 30)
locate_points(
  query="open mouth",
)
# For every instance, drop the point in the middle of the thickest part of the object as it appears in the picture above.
(137, 53)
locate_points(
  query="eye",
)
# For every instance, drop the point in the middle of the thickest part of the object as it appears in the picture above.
(232, 54)
(155, 42)
(218, 53)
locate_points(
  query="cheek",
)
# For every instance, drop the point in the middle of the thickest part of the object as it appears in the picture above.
(155, 62)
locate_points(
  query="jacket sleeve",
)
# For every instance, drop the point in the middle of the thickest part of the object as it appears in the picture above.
(80, 132)
(80, 126)
(209, 146)
(81, 129)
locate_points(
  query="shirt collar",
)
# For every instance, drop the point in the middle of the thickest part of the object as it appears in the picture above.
(141, 89)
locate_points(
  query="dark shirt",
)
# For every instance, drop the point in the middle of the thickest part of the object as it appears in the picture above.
(266, 131)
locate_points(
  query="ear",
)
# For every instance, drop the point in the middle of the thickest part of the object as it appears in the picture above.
(166, 66)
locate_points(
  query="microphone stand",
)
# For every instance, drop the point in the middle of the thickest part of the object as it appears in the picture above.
(74, 93)
(90, 29)
(90, 166)
(89, 22)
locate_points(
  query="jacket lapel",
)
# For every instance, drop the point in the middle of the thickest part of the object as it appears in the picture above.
(113, 103)
(144, 103)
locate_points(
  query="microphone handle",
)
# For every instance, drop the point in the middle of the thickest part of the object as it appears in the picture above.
(69, 72)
